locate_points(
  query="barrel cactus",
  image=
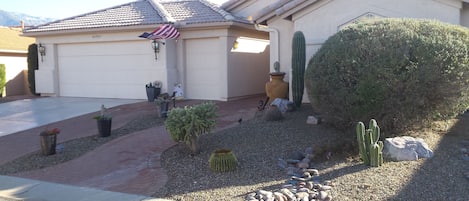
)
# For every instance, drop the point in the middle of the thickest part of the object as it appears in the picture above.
(298, 67)
(371, 150)
(223, 160)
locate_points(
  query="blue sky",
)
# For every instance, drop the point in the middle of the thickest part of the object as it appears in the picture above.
(62, 8)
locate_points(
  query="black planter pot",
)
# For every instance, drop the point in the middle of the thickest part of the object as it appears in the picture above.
(152, 93)
(48, 143)
(163, 109)
(104, 127)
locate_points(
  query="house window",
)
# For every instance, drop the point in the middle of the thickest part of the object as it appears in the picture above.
(249, 45)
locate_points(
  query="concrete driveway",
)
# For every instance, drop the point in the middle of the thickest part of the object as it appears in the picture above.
(25, 114)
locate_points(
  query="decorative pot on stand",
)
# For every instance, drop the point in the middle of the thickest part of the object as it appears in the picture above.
(276, 88)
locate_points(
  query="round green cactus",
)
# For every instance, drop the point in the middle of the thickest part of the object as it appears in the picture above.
(223, 160)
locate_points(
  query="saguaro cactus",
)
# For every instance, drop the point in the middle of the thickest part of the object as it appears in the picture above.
(298, 67)
(371, 150)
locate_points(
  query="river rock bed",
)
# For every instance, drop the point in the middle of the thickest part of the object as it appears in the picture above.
(304, 182)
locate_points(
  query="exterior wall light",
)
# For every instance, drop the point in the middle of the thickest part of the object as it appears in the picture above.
(235, 45)
(156, 47)
(249, 45)
(42, 51)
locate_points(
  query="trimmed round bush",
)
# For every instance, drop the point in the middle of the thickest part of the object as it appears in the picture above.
(404, 73)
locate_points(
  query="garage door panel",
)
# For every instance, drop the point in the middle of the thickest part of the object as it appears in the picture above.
(111, 70)
(202, 72)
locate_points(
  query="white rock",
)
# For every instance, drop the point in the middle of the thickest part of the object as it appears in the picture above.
(322, 195)
(325, 188)
(406, 149)
(282, 104)
(314, 172)
(280, 197)
(266, 194)
(288, 193)
(302, 196)
(312, 120)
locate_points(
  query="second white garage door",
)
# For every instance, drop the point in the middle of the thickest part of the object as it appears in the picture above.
(203, 75)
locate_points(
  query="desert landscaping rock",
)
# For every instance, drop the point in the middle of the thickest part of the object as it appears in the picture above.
(273, 114)
(406, 148)
(304, 183)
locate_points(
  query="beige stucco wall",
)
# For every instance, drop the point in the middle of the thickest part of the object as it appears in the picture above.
(15, 66)
(465, 15)
(224, 74)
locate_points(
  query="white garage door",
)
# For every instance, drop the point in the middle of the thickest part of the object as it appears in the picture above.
(203, 66)
(105, 70)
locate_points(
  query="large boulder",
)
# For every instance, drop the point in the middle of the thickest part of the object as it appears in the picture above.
(406, 149)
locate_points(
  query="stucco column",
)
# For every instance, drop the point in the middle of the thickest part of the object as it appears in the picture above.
(172, 73)
(226, 44)
(47, 74)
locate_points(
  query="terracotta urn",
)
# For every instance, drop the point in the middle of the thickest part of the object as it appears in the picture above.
(276, 88)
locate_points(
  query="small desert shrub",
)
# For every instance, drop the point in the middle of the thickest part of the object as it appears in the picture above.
(3, 78)
(189, 123)
(402, 72)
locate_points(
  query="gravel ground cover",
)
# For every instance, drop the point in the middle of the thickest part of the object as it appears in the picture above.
(259, 144)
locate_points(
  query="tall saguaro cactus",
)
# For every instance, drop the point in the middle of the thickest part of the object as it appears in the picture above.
(298, 67)
(371, 150)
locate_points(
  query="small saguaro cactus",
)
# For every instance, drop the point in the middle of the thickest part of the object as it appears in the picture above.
(298, 67)
(371, 150)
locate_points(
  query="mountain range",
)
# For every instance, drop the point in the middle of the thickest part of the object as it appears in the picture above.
(14, 19)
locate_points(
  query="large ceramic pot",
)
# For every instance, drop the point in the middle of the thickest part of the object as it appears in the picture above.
(276, 88)
(48, 143)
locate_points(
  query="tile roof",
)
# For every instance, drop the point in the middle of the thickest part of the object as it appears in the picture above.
(143, 12)
(12, 41)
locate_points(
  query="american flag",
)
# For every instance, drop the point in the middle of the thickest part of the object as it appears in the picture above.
(165, 31)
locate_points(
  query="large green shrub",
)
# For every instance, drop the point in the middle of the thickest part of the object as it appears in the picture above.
(33, 64)
(189, 123)
(401, 72)
(3, 78)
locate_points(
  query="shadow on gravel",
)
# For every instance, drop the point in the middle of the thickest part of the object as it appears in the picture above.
(441, 177)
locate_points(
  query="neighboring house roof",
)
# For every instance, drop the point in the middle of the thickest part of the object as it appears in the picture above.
(12, 41)
(143, 12)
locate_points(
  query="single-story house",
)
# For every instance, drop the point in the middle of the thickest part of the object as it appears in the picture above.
(13, 54)
(319, 19)
(99, 54)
